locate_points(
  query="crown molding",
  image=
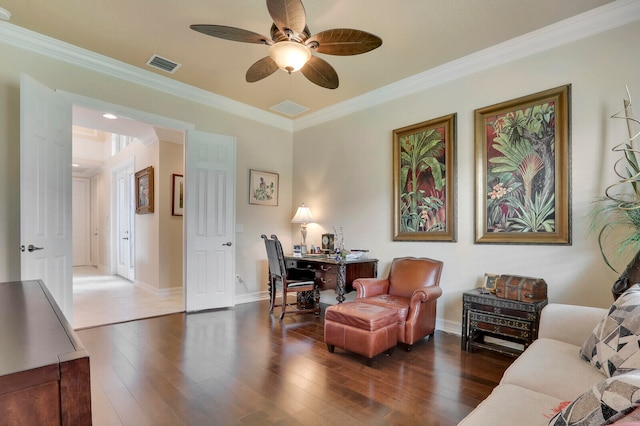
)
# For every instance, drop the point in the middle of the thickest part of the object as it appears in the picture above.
(46, 46)
(595, 21)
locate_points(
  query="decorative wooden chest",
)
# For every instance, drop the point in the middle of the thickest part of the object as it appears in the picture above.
(486, 315)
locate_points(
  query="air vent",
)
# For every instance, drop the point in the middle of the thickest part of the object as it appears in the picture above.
(163, 64)
(289, 108)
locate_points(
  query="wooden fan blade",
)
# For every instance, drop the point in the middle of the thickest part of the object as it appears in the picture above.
(261, 69)
(318, 71)
(231, 33)
(343, 42)
(288, 14)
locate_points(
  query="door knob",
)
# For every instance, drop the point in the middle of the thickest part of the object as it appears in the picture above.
(228, 243)
(31, 248)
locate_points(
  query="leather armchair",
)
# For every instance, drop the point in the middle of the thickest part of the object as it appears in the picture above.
(412, 290)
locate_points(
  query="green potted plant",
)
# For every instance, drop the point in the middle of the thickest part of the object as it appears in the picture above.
(620, 207)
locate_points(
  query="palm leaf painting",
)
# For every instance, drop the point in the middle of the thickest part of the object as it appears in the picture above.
(522, 146)
(423, 157)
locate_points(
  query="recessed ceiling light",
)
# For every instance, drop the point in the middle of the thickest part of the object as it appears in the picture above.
(5, 15)
(75, 165)
(109, 116)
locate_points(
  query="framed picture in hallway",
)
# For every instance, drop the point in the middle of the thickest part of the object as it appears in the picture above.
(177, 195)
(522, 157)
(424, 181)
(263, 188)
(144, 191)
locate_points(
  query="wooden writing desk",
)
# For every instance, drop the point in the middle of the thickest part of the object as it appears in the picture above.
(335, 274)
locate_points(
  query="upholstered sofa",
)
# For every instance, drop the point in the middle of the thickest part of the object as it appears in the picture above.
(551, 378)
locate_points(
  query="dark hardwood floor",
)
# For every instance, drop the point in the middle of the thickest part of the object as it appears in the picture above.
(242, 366)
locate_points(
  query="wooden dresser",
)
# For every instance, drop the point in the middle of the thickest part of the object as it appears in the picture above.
(44, 370)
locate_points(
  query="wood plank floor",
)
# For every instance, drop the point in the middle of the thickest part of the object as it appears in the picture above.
(243, 367)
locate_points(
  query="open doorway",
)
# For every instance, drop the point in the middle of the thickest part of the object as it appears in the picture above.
(106, 288)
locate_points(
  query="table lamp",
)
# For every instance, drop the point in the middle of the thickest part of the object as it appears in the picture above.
(303, 217)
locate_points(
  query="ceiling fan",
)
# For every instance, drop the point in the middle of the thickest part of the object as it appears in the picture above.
(291, 44)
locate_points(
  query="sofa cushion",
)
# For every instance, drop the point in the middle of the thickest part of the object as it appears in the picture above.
(604, 403)
(554, 368)
(510, 405)
(614, 345)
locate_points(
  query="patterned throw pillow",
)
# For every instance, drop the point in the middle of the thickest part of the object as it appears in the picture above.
(606, 402)
(614, 345)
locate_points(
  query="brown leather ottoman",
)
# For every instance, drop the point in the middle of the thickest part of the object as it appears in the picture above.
(362, 328)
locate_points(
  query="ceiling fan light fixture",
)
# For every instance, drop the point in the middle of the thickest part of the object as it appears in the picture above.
(290, 55)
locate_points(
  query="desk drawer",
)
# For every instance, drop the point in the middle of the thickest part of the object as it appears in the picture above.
(327, 276)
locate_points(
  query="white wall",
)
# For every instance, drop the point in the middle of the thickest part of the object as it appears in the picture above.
(343, 169)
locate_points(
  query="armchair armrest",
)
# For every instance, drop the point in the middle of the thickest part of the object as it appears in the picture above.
(425, 294)
(569, 323)
(367, 287)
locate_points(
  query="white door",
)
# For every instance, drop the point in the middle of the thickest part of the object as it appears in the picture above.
(80, 225)
(124, 227)
(209, 220)
(94, 222)
(45, 190)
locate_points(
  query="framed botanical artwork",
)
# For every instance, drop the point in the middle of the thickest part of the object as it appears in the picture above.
(144, 191)
(263, 188)
(424, 181)
(522, 157)
(177, 195)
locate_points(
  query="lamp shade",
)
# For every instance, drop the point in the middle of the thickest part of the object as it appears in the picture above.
(290, 55)
(303, 215)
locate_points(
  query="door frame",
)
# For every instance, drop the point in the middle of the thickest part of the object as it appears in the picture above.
(138, 115)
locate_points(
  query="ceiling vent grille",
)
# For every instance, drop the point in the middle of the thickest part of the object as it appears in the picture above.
(289, 108)
(163, 64)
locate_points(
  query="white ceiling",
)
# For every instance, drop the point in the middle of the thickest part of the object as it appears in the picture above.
(418, 35)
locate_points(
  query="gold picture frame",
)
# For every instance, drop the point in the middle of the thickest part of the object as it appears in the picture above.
(424, 181)
(523, 179)
(144, 190)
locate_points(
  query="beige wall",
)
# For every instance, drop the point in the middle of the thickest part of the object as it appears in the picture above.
(170, 230)
(259, 146)
(342, 169)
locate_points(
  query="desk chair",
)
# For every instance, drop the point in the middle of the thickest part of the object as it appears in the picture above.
(287, 280)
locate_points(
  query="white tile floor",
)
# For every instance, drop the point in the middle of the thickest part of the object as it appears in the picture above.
(100, 299)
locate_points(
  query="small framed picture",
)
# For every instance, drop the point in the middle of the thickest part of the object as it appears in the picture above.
(177, 189)
(490, 282)
(263, 188)
(328, 241)
(144, 191)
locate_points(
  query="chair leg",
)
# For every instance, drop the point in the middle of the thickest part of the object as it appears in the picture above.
(331, 348)
(284, 303)
(272, 296)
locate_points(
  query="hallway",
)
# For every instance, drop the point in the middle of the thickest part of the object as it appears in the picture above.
(100, 299)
